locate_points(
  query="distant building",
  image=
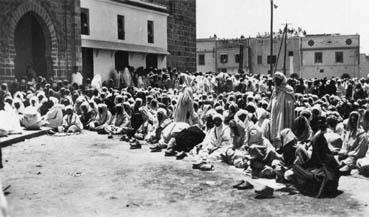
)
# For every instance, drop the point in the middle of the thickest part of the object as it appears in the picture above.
(206, 53)
(313, 56)
(222, 55)
(232, 55)
(42, 36)
(330, 56)
(225, 55)
(364, 65)
(117, 34)
(260, 55)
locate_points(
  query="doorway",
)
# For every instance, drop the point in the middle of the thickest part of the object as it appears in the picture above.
(87, 63)
(151, 61)
(32, 48)
(121, 60)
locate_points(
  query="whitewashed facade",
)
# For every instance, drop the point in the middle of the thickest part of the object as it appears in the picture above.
(106, 47)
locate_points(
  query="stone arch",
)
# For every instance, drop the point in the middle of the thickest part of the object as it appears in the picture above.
(48, 28)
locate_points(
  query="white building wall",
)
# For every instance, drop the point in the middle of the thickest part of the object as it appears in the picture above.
(261, 47)
(231, 66)
(103, 23)
(207, 48)
(162, 62)
(103, 27)
(209, 62)
(328, 45)
(104, 63)
(364, 65)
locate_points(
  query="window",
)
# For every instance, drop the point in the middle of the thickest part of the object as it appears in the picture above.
(318, 57)
(339, 57)
(321, 70)
(237, 58)
(260, 60)
(290, 53)
(224, 58)
(121, 33)
(274, 59)
(85, 21)
(150, 31)
(224, 70)
(201, 59)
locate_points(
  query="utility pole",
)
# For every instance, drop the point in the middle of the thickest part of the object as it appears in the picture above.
(285, 49)
(271, 36)
(240, 56)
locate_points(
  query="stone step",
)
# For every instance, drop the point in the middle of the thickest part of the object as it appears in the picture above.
(26, 134)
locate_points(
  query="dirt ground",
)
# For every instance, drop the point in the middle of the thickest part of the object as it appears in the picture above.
(88, 175)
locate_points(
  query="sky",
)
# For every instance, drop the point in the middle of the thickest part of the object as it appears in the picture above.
(233, 18)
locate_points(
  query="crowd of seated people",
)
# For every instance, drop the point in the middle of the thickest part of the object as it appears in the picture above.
(235, 119)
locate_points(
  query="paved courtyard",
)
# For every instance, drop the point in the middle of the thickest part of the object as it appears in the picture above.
(88, 175)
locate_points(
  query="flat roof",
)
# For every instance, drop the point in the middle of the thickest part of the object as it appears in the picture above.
(331, 35)
(205, 39)
(119, 46)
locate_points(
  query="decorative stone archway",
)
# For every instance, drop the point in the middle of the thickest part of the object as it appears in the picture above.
(47, 27)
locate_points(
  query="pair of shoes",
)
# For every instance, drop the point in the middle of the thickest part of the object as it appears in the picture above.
(155, 148)
(264, 192)
(170, 153)
(238, 184)
(181, 155)
(198, 165)
(135, 145)
(245, 185)
(206, 167)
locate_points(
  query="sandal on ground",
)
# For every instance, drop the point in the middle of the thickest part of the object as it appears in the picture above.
(207, 167)
(245, 186)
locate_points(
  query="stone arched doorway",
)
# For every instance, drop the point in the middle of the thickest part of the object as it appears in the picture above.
(32, 46)
(44, 45)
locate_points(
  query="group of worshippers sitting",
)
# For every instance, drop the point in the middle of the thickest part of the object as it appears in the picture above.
(300, 139)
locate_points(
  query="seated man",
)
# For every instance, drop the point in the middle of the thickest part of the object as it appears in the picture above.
(319, 174)
(162, 122)
(119, 123)
(168, 134)
(87, 114)
(334, 139)
(236, 155)
(103, 119)
(71, 122)
(54, 117)
(355, 144)
(216, 142)
(262, 153)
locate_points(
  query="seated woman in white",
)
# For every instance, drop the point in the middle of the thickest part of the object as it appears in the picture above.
(54, 117)
(31, 119)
